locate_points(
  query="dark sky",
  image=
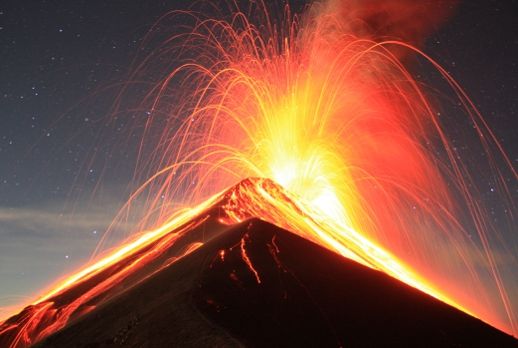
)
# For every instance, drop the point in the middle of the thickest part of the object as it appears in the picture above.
(61, 67)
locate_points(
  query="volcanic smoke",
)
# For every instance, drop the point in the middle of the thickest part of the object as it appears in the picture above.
(350, 148)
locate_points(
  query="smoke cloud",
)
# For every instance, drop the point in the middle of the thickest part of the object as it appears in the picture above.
(406, 20)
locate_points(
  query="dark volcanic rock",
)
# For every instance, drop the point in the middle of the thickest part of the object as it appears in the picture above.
(258, 285)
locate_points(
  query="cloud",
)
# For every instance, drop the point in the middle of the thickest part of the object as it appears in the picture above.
(39, 244)
(408, 20)
(38, 222)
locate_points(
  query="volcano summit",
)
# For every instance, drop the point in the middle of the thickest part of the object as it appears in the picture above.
(226, 274)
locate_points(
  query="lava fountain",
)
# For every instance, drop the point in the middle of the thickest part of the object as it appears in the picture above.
(329, 111)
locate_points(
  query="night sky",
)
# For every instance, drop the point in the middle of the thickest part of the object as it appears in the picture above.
(62, 66)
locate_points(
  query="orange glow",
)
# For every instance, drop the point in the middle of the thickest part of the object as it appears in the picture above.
(248, 262)
(347, 144)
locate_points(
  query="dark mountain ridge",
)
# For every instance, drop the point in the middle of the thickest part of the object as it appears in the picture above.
(208, 283)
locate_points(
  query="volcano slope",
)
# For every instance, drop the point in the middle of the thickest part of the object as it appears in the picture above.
(249, 283)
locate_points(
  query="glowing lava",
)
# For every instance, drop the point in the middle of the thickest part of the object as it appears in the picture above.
(365, 163)
(151, 252)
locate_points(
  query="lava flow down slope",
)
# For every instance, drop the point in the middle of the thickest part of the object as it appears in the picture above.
(223, 277)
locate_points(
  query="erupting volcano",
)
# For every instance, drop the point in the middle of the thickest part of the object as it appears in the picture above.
(232, 266)
(348, 183)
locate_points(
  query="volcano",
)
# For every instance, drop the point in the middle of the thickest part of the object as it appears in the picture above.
(221, 276)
